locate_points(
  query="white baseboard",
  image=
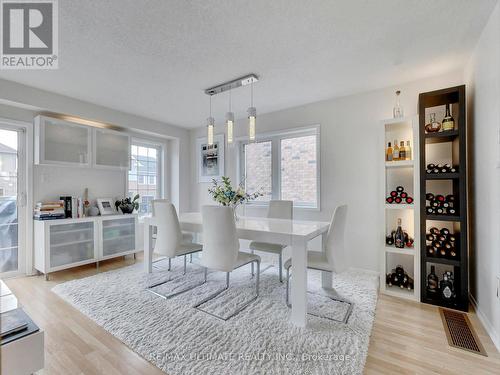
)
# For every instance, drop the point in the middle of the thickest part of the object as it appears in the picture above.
(490, 330)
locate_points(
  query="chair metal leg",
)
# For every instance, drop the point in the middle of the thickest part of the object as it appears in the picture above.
(337, 299)
(169, 264)
(185, 264)
(217, 293)
(191, 258)
(280, 262)
(253, 252)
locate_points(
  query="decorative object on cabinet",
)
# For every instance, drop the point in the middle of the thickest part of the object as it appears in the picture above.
(397, 111)
(399, 183)
(66, 243)
(433, 126)
(49, 210)
(106, 206)
(93, 211)
(443, 186)
(210, 159)
(127, 205)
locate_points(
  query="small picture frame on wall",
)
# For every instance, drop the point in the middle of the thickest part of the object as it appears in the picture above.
(106, 206)
(210, 159)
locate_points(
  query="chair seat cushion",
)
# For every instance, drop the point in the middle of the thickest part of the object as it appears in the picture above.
(267, 247)
(244, 258)
(189, 247)
(316, 260)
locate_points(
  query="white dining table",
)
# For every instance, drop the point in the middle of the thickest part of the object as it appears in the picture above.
(294, 233)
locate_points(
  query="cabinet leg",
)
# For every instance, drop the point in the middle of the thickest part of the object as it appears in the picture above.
(97, 265)
(135, 256)
(46, 277)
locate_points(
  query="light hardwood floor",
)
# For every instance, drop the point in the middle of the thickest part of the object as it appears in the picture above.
(407, 338)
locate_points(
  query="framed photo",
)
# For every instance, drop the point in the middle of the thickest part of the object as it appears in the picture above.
(106, 206)
(210, 158)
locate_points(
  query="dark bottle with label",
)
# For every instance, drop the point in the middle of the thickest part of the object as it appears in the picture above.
(446, 286)
(432, 281)
(399, 237)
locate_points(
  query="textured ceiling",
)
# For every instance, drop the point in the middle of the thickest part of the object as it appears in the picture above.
(154, 58)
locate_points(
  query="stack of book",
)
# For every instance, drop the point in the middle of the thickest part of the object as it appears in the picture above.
(49, 210)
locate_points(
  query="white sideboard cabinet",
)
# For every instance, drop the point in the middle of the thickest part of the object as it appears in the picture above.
(66, 243)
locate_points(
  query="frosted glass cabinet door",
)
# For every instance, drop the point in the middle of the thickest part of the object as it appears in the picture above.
(71, 243)
(63, 142)
(112, 149)
(118, 236)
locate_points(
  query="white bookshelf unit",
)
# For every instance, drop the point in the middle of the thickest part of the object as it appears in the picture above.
(400, 173)
(66, 243)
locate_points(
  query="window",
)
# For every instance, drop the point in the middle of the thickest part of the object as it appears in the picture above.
(145, 173)
(284, 166)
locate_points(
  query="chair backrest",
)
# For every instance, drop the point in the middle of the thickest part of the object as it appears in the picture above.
(335, 249)
(157, 201)
(168, 229)
(280, 209)
(220, 242)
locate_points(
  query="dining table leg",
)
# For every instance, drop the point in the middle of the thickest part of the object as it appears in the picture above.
(148, 248)
(299, 282)
(326, 277)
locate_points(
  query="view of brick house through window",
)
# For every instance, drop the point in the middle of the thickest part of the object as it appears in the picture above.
(297, 176)
(143, 177)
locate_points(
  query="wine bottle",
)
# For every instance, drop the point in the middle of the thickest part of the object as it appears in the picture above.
(389, 240)
(409, 200)
(400, 189)
(395, 151)
(430, 237)
(440, 198)
(436, 245)
(435, 204)
(388, 153)
(451, 211)
(450, 198)
(402, 151)
(430, 250)
(444, 231)
(453, 253)
(448, 123)
(453, 169)
(452, 238)
(389, 200)
(429, 210)
(397, 200)
(408, 151)
(441, 238)
(434, 231)
(431, 166)
(394, 193)
(429, 196)
(399, 238)
(432, 281)
(403, 194)
(442, 252)
(440, 211)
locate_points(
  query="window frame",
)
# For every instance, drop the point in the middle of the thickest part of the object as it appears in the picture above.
(160, 172)
(275, 139)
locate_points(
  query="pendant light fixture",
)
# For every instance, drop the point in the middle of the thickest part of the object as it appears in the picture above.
(229, 123)
(249, 79)
(252, 114)
(210, 126)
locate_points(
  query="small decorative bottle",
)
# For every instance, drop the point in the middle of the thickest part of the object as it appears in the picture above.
(408, 150)
(388, 154)
(397, 111)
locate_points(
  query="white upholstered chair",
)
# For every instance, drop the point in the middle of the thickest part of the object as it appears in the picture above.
(186, 236)
(278, 209)
(332, 260)
(169, 240)
(221, 250)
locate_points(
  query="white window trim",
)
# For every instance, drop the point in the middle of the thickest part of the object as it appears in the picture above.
(160, 170)
(275, 137)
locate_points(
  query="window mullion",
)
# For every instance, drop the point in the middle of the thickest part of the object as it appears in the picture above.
(275, 152)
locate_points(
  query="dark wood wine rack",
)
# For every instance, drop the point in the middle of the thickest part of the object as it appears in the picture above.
(455, 97)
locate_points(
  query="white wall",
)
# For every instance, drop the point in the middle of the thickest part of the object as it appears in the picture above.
(483, 79)
(20, 102)
(350, 130)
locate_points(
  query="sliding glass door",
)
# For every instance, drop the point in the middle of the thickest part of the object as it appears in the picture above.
(12, 198)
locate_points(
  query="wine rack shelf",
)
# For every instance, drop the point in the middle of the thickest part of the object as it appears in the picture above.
(445, 147)
(403, 173)
(442, 176)
(447, 136)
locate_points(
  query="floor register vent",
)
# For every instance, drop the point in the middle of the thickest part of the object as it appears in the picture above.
(459, 331)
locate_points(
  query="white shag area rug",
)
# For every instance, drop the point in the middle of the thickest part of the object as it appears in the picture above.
(179, 339)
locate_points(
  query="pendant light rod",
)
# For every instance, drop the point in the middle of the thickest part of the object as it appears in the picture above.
(242, 81)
